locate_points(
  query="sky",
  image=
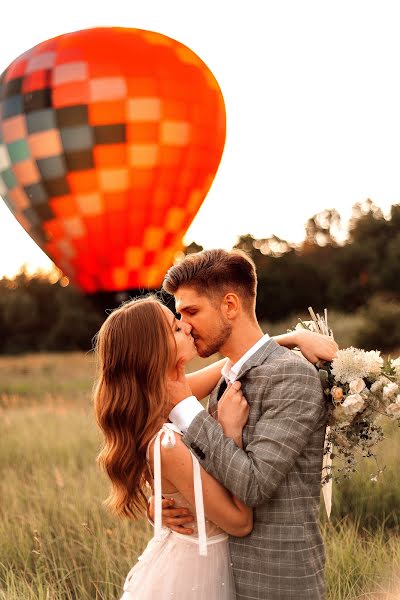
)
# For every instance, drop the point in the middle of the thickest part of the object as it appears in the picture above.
(312, 93)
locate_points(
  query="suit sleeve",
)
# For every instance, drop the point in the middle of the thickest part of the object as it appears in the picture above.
(293, 406)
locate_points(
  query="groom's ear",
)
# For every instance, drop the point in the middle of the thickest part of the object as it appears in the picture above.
(231, 305)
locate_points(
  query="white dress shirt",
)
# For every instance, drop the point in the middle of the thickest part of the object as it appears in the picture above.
(184, 412)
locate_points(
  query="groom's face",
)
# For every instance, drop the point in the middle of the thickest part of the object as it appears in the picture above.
(209, 327)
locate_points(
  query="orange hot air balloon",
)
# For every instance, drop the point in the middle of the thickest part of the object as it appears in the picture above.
(109, 141)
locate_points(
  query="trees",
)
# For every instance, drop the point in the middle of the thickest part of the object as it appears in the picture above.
(38, 313)
(324, 270)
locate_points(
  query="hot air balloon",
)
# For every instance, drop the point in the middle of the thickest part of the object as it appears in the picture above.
(109, 141)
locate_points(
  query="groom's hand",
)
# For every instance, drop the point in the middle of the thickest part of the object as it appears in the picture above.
(178, 386)
(176, 519)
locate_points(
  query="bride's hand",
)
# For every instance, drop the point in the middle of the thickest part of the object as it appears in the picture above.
(315, 346)
(178, 386)
(233, 412)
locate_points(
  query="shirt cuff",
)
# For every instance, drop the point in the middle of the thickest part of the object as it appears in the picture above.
(184, 413)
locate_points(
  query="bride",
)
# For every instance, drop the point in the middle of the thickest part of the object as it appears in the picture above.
(141, 347)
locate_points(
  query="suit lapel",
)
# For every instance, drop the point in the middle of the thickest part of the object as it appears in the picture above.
(213, 400)
(258, 358)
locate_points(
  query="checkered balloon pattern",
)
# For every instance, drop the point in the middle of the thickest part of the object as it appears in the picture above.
(109, 141)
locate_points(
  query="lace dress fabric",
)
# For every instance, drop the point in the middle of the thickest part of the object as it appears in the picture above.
(181, 567)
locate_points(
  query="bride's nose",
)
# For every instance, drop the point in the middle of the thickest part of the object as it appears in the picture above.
(188, 328)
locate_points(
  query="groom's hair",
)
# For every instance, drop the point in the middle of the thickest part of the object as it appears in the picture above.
(214, 273)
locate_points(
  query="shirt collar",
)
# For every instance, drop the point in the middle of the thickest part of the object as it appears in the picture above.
(231, 371)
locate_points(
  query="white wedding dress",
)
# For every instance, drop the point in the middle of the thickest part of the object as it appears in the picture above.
(181, 567)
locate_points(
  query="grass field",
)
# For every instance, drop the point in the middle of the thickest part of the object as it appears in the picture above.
(57, 542)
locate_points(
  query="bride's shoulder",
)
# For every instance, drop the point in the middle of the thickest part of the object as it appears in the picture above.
(170, 439)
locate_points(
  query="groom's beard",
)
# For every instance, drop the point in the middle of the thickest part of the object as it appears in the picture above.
(212, 344)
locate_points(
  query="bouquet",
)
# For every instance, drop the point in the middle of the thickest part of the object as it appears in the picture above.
(362, 389)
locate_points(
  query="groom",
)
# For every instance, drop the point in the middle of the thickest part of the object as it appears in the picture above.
(279, 470)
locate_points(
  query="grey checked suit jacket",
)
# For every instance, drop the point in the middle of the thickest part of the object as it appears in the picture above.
(278, 473)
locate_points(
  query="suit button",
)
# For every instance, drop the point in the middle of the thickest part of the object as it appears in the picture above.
(193, 446)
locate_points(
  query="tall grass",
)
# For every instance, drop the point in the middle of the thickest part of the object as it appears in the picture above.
(55, 536)
(361, 564)
(57, 542)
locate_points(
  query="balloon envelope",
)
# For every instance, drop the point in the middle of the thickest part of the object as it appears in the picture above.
(109, 141)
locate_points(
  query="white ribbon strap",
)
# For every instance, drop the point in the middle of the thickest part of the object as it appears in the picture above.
(157, 487)
(327, 470)
(198, 498)
(168, 440)
(198, 490)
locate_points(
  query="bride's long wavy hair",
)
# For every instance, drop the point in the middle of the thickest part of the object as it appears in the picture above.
(135, 350)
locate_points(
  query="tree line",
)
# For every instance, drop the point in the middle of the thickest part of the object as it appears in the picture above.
(39, 313)
(322, 271)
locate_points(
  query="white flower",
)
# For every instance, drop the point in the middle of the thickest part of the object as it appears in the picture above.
(394, 409)
(374, 363)
(357, 385)
(353, 363)
(378, 385)
(352, 404)
(396, 365)
(390, 391)
(348, 365)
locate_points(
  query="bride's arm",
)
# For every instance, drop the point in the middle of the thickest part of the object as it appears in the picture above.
(220, 506)
(313, 346)
(202, 382)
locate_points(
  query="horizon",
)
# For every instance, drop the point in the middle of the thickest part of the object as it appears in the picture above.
(340, 235)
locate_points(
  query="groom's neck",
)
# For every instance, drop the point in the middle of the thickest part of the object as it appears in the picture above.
(245, 334)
